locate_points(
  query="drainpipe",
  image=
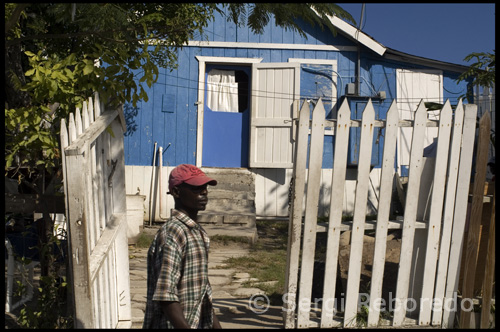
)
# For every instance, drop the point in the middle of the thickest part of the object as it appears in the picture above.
(358, 69)
(151, 188)
(160, 151)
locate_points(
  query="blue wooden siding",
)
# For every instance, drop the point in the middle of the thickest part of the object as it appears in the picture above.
(170, 115)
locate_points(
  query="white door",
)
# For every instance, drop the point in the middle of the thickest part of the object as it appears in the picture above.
(411, 87)
(274, 88)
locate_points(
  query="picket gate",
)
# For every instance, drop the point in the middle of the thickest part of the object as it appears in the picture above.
(443, 227)
(94, 186)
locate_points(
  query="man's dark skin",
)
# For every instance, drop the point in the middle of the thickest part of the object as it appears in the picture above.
(189, 200)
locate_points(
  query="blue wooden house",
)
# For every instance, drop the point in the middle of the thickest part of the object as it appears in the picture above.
(228, 109)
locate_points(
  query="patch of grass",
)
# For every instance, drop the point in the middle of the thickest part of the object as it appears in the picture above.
(264, 265)
(144, 240)
(227, 239)
(267, 260)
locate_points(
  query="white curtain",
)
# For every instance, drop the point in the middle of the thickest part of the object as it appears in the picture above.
(222, 91)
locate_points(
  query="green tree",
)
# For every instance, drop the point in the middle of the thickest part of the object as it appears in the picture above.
(482, 71)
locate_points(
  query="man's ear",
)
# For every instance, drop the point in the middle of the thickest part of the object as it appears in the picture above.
(175, 192)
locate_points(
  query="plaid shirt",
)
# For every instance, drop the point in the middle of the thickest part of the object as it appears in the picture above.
(178, 271)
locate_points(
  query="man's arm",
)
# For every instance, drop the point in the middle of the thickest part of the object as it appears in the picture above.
(173, 312)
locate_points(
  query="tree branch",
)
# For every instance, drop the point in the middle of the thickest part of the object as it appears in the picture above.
(15, 16)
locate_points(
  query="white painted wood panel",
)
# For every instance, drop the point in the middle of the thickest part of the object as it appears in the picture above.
(274, 87)
(451, 187)
(358, 229)
(335, 214)
(98, 245)
(459, 218)
(411, 87)
(310, 221)
(435, 218)
(384, 207)
(296, 213)
(410, 215)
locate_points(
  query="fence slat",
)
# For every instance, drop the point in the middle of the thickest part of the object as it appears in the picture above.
(464, 173)
(436, 209)
(475, 217)
(85, 119)
(335, 216)
(78, 121)
(489, 273)
(310, 222)
(360, 206)
(415, 170)
(295, 226)
(71, 129)
(384, 209)
(451, 187)
(78, 217)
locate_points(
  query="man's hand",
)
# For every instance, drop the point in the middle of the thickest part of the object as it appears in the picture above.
(175, 315)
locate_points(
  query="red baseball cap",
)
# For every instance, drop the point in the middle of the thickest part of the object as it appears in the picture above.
(189, 174)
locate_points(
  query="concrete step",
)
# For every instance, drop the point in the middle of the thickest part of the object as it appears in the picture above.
(240, 231)
(225, 203)
(232, 179)
(216, 193)
(231, 203)
(232, 217)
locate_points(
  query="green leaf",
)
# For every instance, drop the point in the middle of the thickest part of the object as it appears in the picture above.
(89, 68)
(112, 70)
(30, 72)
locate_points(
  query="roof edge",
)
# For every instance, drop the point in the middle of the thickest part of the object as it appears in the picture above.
(392, 54)
(356, 34)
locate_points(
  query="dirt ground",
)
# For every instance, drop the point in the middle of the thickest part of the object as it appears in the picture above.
(393, 251)
(272, 235)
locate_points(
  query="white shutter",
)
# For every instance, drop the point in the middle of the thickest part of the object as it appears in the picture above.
(413, 86)
(274, 88)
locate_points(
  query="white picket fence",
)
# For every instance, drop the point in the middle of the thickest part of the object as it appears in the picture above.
(443, 228)
(94, 186)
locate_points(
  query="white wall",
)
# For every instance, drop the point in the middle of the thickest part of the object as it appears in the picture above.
(271, 191)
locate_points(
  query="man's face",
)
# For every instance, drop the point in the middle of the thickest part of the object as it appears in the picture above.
(191, 198)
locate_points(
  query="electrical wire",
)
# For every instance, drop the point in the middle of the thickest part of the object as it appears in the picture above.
(284, 95)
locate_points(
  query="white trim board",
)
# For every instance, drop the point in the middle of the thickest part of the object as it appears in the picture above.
(272, 46)
(201, 93)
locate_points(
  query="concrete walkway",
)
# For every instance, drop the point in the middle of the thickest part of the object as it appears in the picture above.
(234, 305)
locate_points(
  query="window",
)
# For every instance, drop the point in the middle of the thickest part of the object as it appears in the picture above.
(227, 90)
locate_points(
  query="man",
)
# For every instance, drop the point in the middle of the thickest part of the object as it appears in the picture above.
(179, 294)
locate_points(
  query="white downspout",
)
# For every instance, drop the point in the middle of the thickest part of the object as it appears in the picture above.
(160, 151)
(151, 188)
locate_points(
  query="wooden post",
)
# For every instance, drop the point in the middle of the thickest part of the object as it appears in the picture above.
(470, 249)
(310, 222)
(295, 224)
(489, 273)
(78, 218)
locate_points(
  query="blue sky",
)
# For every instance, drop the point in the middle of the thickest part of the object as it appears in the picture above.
(444, 31)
